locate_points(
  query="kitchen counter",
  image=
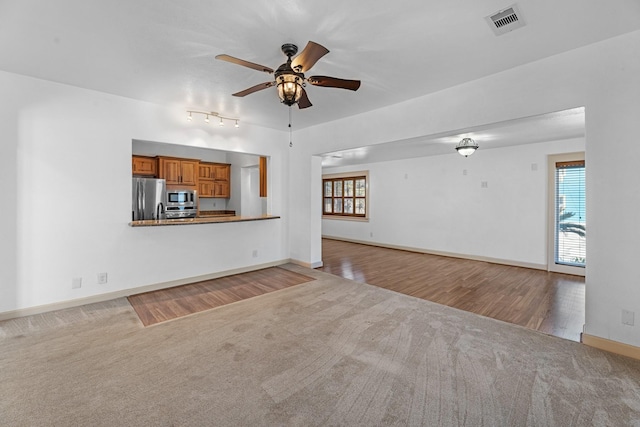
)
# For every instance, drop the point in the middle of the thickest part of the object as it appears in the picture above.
(201, 220)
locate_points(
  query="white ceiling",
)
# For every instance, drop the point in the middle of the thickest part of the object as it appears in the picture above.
(555, 126)
(163, 51)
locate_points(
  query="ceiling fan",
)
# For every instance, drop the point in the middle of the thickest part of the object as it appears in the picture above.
(289, 77)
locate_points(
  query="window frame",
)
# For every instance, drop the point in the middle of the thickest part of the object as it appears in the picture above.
(551, 209)
(342, 177)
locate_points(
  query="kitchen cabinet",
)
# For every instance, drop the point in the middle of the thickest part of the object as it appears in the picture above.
(144, 166)
(214, 180)
(178, 172)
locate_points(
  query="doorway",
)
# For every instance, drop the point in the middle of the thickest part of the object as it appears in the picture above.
(567, 214)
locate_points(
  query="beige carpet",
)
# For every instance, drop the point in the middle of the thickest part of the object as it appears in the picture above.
(327, 352)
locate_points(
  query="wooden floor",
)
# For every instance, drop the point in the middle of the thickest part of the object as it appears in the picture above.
(167, 304)
(548, 302)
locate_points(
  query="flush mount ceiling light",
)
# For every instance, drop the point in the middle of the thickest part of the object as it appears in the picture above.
(467, 147)
(206, 115)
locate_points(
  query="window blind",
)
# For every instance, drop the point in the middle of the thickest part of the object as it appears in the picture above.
(570, 218)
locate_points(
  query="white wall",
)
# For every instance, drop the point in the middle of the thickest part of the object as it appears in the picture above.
(429, 203)
(66, 173)
(603, 77)
(251, 204)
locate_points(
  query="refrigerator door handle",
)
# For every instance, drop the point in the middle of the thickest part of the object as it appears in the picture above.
(144, 196)
(159, 210)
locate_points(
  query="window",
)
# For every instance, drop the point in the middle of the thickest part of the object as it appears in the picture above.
(570, 214)
(345, 196)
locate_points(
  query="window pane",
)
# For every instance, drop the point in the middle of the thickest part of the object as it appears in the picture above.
(348, 188)
(570, 215)
(348, 205)
(360, 187)
(327, 188)
(337, 205)
(360, 204)
(327, 205)
(337, 185)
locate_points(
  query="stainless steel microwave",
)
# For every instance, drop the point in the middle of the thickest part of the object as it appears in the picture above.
(182, 203)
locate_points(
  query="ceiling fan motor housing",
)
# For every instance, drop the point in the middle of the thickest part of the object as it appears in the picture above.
(289, 82)
(289, 49)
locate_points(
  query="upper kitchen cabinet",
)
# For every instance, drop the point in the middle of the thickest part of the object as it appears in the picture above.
(214, 180)
(144, 166)
(178, 172)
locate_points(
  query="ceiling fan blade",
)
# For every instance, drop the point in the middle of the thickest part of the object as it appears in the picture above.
(254, 89)
(244, 63)
(308, 57)
(304, 102)
(334, 82)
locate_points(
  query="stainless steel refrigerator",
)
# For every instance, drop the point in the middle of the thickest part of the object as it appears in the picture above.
(148, 199)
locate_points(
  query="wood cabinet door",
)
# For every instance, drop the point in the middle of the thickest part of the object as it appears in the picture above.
(189, 172)
(222, 189)
(205, 171)
(221, 172)
(146, 166)
(170, 170)
(205, 189)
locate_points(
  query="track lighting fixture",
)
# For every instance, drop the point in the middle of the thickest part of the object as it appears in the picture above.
(206, 115)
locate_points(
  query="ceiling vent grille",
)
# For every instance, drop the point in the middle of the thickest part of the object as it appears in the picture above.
(505, 20)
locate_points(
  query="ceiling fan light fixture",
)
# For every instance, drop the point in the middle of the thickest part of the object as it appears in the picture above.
(467, 147)
(289, 88)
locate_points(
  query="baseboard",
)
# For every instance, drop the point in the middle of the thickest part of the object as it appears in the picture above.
(611, 346)
(312, 265)
(30, 311)
(447, 254)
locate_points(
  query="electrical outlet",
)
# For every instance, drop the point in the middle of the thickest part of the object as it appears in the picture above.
(534, 167)
(255, 253)
(484, 184)
(371, 234)
(628, 317)
(102, 278)
(464, 171)
(76, 283)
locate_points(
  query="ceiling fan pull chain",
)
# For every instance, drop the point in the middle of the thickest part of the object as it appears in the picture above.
(290, 140)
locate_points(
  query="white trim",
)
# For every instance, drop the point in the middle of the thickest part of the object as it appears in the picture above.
(551, 203)
(21, 312)
(447, 254)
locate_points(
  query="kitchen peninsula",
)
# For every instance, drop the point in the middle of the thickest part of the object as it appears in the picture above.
(200, 220)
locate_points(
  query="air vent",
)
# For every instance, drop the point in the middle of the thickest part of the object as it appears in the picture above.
(505, 20)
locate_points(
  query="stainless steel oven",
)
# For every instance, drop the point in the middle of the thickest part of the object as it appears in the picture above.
(181, 203)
